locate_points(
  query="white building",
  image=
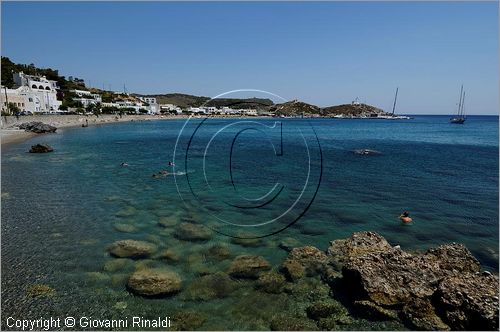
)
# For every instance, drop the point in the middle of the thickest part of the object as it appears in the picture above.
(153, 107)
(171, 108)
(86, 97)
(38, 94)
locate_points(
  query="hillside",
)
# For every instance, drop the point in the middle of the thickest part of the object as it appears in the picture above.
(294, 108)
(350, 110)
(9, 68)
(185, 101)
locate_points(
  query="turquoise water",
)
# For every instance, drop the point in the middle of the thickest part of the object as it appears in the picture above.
(60, 211)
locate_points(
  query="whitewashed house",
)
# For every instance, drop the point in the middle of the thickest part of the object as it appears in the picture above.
(34, 94)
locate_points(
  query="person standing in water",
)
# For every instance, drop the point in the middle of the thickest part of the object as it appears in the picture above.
(405, 217)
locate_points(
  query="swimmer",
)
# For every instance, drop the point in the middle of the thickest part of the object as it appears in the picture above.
(124, 164)
(170, 163)
(163, 172)
(405, 217)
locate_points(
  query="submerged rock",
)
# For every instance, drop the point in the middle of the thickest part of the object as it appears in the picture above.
(187, 320)
(367, 152)
(218, 252)
(289, 243)
(292, 323)
(304, 261)
(293, 270)
(37, 127)
(248, 266)
(170, 255)
(192, 232)
(154, 282)
(217, 285)
(40, 290)
(271, 282)
(125, 228)
(324, 309)
(117, 264)
(132, 249)
(247, 239)
(41, 148)
(168, 221)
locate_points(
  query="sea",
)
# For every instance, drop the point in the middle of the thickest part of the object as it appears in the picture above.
(254, 184)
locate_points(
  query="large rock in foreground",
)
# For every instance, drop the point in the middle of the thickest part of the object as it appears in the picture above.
(469, 301)
(436, 290)
(154, 282)
(132, 249)
(41, 148)
(395, 277)
(38, 127)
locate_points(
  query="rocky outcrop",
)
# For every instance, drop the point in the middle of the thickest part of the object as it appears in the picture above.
(469, 301)
(41, 148)
(436, 290)
(248, 266)
(132, 249)
(154, 282)
(37, 127)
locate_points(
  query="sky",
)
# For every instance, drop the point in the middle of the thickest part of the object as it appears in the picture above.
(324, 53)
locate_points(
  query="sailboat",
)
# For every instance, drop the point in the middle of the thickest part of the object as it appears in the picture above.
(393, 116)
(460, 118)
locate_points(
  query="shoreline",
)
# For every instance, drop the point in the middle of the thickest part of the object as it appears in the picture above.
(9, 134)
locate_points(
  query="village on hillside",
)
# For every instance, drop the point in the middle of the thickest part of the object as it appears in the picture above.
(34, 93)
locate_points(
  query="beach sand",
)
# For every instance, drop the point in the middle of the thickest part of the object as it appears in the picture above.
(9, 134)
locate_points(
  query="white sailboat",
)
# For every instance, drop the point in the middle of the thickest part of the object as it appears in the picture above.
(393, 116)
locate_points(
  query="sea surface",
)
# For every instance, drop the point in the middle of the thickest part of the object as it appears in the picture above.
(265, 179)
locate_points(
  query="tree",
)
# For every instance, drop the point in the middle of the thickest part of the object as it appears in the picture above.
(13, 109)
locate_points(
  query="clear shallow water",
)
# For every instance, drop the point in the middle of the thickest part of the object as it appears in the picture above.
(60, 211)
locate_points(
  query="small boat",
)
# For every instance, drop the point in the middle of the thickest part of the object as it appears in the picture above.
(460, 118)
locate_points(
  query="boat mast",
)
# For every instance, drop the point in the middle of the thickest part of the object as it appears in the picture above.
(462, 113)
(460, 101)
(395, 98)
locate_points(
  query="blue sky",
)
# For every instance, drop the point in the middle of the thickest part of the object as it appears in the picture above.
(322, 53)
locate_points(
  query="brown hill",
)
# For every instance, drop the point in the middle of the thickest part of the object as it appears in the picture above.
(350, 110)
(295, 108)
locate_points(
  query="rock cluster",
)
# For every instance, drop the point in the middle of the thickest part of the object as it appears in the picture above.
(440, 289)
(37, 127)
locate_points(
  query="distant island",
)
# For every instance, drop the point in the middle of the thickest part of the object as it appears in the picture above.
(28, 90)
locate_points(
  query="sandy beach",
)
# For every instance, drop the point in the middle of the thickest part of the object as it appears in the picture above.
(10, 134)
